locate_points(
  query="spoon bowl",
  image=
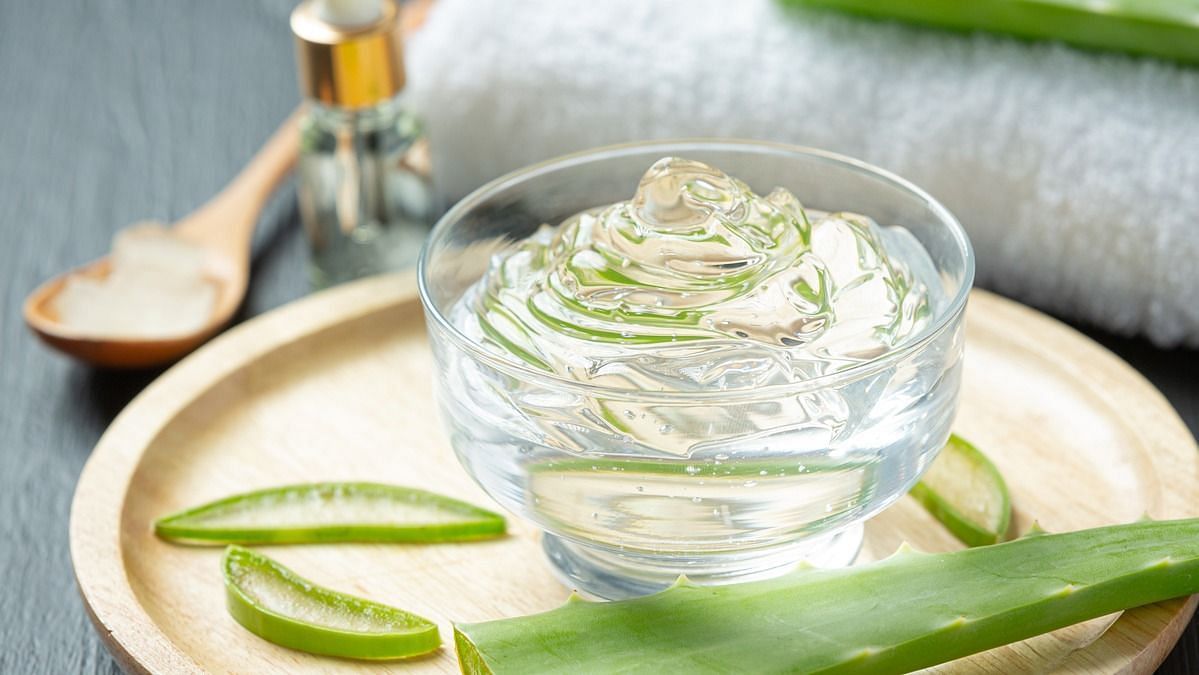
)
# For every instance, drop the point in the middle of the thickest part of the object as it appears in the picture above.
(107, 351)
(222, 227)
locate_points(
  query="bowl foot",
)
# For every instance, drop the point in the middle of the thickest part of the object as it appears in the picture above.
(614, 575)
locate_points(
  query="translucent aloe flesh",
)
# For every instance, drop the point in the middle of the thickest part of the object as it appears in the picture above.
(965, 491)
(907, 612)
(332, 512)
(1165, 28)
(282, 607)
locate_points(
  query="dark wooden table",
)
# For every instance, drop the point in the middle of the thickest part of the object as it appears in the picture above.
(113, 111)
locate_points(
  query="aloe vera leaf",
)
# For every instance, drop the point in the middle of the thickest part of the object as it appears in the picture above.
(910, 611)
(1164, 28)
(965, 491)
(282, 607)
(331, 512)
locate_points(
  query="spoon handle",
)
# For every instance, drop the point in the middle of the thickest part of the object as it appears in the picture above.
(273, 162)
(227, 220)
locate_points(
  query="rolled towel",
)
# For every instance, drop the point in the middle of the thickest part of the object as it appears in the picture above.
(1076, 174)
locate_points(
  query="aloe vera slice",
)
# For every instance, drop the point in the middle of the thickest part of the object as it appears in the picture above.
(910, 611)
(282, 607)
(1165, 28)
(965, 491)
(331, 512)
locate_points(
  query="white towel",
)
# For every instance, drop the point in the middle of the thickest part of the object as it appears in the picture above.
(1076, 174)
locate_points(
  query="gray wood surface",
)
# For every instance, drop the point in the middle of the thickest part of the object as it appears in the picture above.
(113, 111)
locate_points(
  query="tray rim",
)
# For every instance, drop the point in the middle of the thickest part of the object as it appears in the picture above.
(140, 646)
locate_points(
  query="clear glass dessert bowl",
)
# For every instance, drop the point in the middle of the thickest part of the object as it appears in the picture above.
(642, 428)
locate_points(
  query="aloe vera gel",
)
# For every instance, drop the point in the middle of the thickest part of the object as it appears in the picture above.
(702, 379)
(698, 283)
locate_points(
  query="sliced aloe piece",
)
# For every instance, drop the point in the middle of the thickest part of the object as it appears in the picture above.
(965, 491)
(332, 512)
(282, 607)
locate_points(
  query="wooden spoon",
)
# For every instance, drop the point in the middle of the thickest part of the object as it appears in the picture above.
(224, 226)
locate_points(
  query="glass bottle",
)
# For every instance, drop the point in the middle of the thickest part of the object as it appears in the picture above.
(365, 194)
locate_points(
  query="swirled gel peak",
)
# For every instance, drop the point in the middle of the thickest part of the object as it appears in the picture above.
(698, 282)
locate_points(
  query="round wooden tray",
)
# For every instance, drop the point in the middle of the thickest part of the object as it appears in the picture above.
(337, 387)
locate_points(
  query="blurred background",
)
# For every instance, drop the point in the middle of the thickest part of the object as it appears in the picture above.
(1075, 171)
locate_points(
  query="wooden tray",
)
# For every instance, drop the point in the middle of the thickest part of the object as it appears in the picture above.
(337, 387)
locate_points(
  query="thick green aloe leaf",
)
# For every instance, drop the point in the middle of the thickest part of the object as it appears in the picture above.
(904, 613)
(1165, 28)
(280, 606)
(331, 512)
(965, 491)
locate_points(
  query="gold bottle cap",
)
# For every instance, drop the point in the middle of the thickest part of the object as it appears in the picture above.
(348, 66)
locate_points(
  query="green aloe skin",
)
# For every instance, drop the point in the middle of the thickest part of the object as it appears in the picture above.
(315, 513)
(966, 493)
(1164, 28)
(910, 611)
(282, 607)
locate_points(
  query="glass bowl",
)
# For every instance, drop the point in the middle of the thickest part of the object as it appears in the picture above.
(782, 473)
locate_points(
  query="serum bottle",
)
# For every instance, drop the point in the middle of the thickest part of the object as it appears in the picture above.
(365, 195)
